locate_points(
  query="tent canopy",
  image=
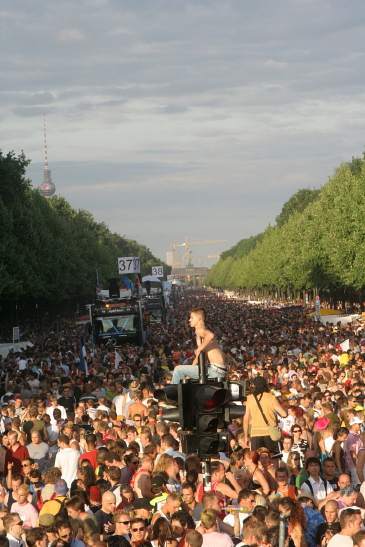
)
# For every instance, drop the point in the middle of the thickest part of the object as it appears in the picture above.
(151, 278)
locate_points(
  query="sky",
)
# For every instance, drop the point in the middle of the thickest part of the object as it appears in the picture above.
(174, 119)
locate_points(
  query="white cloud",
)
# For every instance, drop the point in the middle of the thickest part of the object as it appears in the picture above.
(238, 104)
(70, 35)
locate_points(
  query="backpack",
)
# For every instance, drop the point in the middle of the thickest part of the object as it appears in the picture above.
(62, 512)
(309, 484)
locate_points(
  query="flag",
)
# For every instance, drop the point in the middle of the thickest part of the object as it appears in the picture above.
(345, 345)
(117, 359)
(82, 364)
(127, 282)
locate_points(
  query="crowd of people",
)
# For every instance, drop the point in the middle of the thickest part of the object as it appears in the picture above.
(90, 461)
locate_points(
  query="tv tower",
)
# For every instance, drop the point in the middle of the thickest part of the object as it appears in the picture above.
(47, 188)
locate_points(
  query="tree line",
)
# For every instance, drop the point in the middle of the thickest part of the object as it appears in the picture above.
(316, 244)
(50, 251)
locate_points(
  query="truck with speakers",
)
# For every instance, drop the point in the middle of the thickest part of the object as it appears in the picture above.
(118, 320)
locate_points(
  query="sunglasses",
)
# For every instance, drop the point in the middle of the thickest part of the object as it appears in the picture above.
(123, 521)
(25, 464)
(138, 529)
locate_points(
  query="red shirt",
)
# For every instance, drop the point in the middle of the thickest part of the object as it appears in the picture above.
(91, 457)
(16, 456)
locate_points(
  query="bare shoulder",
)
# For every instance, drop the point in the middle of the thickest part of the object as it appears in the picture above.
(203, 331)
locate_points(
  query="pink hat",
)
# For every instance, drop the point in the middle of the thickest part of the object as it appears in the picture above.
(321, 424)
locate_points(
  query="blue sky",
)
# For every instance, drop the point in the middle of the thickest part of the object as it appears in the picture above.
(170, 119)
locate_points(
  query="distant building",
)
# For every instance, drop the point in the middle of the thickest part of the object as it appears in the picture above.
(191, 275)
(47, 188)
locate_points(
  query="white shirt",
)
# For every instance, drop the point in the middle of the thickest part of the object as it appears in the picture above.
(22, 364)
(286, 424)
(66, 369)
(319, 490)
(53, 432)
(14, 542)
(229, 519)
(67, 460)
(120, 402)
(338, 540)
(50, 409)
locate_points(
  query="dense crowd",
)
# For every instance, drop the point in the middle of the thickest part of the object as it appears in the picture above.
(90, 461)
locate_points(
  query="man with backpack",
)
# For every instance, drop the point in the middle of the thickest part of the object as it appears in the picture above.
(56, 505)
(314, 485)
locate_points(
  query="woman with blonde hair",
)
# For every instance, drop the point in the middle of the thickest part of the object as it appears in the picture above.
(168, 465)
(163, 463)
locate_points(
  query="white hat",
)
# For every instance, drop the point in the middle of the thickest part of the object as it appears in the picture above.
(355, 420)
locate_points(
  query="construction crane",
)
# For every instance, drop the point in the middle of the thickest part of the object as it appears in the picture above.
(186, 245)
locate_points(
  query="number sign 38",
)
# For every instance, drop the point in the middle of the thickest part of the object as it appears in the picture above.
(157, 271)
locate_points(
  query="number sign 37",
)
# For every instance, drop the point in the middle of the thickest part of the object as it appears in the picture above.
(129, 264)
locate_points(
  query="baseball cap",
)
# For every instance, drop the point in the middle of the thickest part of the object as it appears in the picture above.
(355, 420)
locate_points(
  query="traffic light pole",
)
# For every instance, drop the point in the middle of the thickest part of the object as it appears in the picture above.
(202, 368)
(207, 478)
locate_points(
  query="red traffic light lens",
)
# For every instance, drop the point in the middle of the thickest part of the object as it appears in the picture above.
(212, 397)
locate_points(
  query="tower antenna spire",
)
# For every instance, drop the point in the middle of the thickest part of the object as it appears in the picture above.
(45, 150)
(47, 188)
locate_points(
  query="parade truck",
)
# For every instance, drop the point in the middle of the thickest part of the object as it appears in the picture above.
(153, 299)
(118, 320)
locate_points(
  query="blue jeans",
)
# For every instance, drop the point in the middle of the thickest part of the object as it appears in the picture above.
(192, 371)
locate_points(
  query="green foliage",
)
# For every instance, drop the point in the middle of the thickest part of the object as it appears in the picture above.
(297, 203)
(48, 249)
(243, 247)
(318, 242)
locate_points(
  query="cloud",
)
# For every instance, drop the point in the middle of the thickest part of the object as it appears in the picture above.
(31, 111)
(174, 109)
(168, 119)
(70, 35)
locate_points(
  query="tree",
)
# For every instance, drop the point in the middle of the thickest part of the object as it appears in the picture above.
(317, 243)
(296, 204)
(49, 250)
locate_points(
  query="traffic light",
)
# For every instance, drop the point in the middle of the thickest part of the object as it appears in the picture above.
(203, 411)
(171, 398)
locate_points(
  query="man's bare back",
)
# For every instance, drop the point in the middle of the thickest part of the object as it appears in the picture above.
(206, 342)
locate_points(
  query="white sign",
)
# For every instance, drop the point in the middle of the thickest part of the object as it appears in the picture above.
(129, 264)
(157, 271)
(16, 335)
